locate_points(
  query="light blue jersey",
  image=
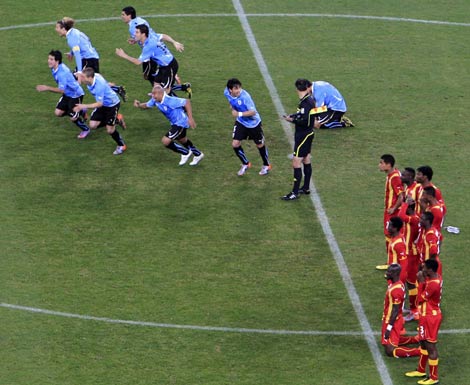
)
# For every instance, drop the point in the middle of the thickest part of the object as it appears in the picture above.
(241, 104)
(81, 47)
(173, 109)
(102, 92)
(327, 95)
(66, 81)
(139, 21)
(156, 51)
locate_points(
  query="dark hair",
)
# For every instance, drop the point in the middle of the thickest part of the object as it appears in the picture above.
(428, 216)
(430, 191)
(57, 55)
(396, 222)
(426, 171)
(88, 72)
(143, 29)
(432, 264)
(130, 11)
(233, 82)
(302, 84)
(389, 159)
(411, 171)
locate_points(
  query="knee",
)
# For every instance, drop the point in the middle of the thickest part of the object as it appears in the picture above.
(166, 141)
(59, 113)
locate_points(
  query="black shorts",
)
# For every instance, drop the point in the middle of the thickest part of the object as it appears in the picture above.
(67, 104)
(303, 143)
(241, 132)
(106, 115)
(165, 75)
(176, 133)
(91, 63)
(148, 69)
(329, 118)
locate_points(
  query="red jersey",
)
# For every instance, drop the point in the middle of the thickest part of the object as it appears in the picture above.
(397, 250)
(428, 243)
(419, 193)
(430, 297)
(398, 253)
(410, 229)
(412, 191)
(395, 295)
(393, 188)
(438, 212)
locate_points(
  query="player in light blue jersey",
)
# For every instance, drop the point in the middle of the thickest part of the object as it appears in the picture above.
(86, 56)
(106, 108)
(72, 92)
(328, 97)
(129, 16)
(150, 67)
(247, 125)
(179, 112)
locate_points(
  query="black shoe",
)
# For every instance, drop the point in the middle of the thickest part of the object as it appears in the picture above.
(304, 191)
(122, 93)
(290, 197)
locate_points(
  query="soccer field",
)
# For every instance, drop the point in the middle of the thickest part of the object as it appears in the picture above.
(133, 270)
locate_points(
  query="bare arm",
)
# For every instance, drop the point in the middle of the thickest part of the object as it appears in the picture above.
(140, 105)
(120, 52)
(79, 107)
(179, 47)
(189, 112)
(43, 87)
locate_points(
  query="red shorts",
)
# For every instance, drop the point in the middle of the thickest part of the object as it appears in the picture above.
(429, 327)
(394, 337)
(413, 268)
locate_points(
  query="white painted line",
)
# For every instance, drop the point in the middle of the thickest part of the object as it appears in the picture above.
(186, 327)
(300, 15)
(321, 214)
(202, 328)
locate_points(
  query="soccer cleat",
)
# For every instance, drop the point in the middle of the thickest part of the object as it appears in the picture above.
(347, 122)
(119, 150)
(120, 121)
(290, 197)
(122, 93)
(197, 159)
(265, 170)
(83, 134)
(243, 169)
(428, 381)
(415, 373)
(381, 267)
(185, 158)
(186, 87)
(304, 191)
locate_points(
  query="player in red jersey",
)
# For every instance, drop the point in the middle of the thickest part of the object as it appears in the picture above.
(429, 322)
(430, 203)
(409, 183)
(392, 319)
(429, 240)
(410, 233)
(423, 177)
(397, 249)
(394, 194)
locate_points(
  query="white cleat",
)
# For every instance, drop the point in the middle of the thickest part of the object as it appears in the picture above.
(197, 159)
(185, 158)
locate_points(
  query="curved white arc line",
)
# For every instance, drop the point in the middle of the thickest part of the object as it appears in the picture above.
(201, 15)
